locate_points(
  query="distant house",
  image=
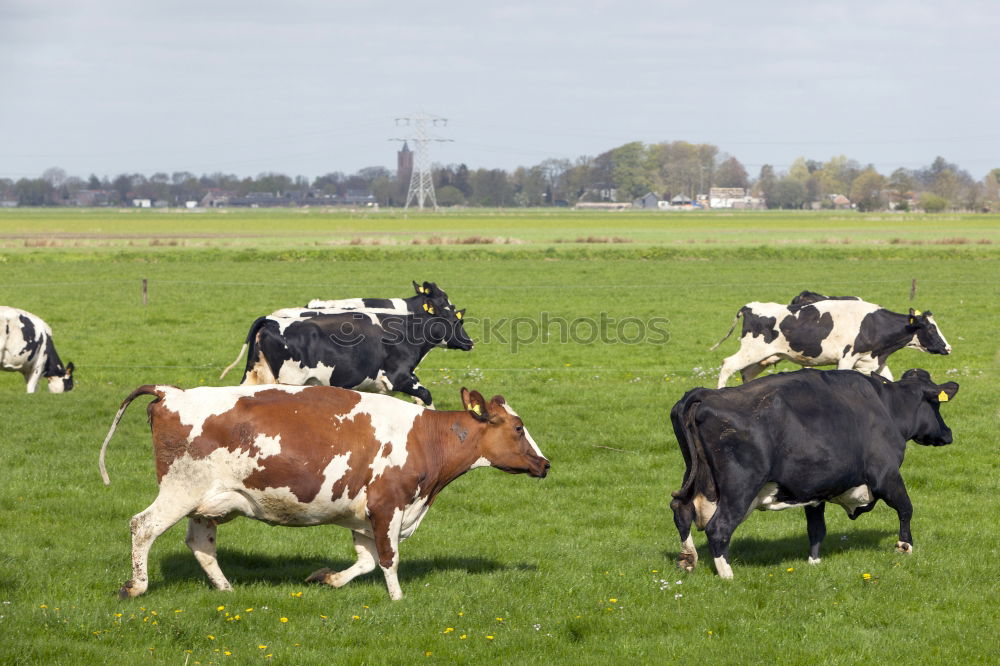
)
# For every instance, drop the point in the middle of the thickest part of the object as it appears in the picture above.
(91, 198)
(681, 200)
(840, 202)
(8, 203)
(357, 198)
(142, 203)
(733, 197)
(215, 198)
(647, 201)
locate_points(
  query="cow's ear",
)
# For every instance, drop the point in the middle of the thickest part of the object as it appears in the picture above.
(475, 404)
(69, 368)
(417, 288)
(498, 400)
(428, 308)
(459, 314)
(912, 321)
(946, 391)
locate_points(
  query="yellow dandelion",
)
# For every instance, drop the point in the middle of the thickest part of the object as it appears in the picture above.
(211, 637)
(364, 606)
(284, 619)
(249, 610)
(355, 617)
(489, 637)
(118, 614)
(428, 653)
(790, 569)
(261, 647)
(613, 600)
(228, 653)
(448, 630)
(461, 613)
(499, 619)
(153, 613)
(866, 576)
(43, 606)
(324, 617)
(179, 610)
(463, 637)
(221, 608)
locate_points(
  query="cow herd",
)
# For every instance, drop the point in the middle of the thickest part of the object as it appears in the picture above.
(297, 444)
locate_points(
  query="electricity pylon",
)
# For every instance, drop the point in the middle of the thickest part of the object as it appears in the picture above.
(421, 180)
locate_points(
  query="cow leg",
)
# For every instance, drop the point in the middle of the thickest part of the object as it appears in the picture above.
(816, 527)
(885, 372)
(683, 515)
(201, 540)
(752, 371)
(894, 494)
(367, 560)
(410, 385)
(146, 527)
(33, 378)
(387, 545)
(728, 515)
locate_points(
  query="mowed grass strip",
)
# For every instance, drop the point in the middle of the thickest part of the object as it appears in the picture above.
(576, 568)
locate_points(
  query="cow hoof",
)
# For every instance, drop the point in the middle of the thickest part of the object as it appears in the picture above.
(323, 575)
(814, 560)
(903, 547)
(686, 562)
(126, 591)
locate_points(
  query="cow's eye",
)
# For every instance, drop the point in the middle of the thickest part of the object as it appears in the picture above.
(519, 429)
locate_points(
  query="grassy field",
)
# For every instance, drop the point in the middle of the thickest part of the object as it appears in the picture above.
(575, 568)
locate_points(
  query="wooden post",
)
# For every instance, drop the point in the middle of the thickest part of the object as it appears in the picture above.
(145, 292)
(913, 289)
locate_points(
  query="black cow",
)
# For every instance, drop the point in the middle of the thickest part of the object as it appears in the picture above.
(845, 331)
(806, 297)
(354, 350)
(427, 293)
(26, 346)
(800, 439)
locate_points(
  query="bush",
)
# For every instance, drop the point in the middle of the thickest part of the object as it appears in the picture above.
(932, 203)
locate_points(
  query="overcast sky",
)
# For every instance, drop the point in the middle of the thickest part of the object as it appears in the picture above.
(306, 88)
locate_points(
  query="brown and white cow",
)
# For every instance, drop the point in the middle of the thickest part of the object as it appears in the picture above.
(312, 455)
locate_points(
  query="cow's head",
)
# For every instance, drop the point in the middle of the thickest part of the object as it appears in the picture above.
(505, 444)
(926, 334)
(63, 382)
(927, 424)
(433, 294)
(445, 327)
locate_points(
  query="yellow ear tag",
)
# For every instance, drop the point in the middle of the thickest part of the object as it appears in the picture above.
(424, 290)
(427, 308)
(430, 309)
(942, 397)
(458, 315)
(917, 312)
(477, 410)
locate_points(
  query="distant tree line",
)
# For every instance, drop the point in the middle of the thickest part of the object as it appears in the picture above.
(621, 174)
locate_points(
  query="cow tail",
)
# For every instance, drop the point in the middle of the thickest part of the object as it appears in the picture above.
(698, 476)
(254, 327)
(732, 328)
(146, 389)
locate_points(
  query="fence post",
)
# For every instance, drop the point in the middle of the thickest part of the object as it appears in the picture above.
(913, 288)
(145, 292)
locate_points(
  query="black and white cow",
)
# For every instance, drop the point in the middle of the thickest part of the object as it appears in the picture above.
(848, 333)
(800, 439)
(427, 293)
(26, 346)
(354, 350)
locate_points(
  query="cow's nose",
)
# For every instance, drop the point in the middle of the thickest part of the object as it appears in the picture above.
(947, 349)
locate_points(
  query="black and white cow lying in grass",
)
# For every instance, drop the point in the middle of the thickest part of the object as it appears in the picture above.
(847, 332)
(26, 346)
(800, 439)
(427, 293)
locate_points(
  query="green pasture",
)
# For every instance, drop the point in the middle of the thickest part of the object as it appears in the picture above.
(576, 568)
(511, 230)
